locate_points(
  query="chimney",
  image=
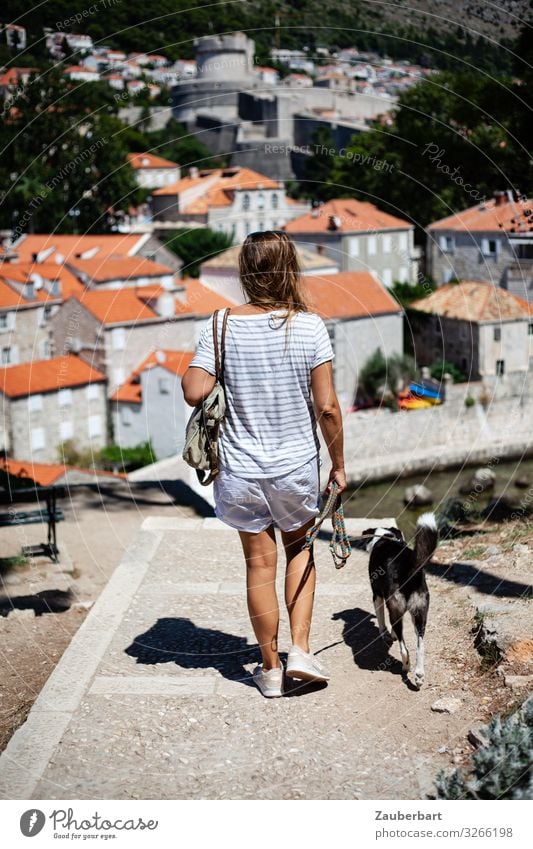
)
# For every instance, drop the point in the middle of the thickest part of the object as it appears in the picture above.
(193, 172)
(500, 198)
(334, 222)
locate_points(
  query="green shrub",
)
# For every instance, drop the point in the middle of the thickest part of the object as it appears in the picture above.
(115, 458)
(501, 770)
(442, 367)
(469, 401)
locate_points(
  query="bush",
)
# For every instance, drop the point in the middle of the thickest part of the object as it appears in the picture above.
(115, 458)
(501, 770)
(469, 401)
(439, 369)
(197, 246)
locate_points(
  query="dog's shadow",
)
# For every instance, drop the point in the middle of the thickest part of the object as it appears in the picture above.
(369, 650)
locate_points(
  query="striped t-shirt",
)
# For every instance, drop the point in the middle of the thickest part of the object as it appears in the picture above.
(270, 425)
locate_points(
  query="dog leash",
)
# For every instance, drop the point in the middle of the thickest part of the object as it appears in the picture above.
(339, 544)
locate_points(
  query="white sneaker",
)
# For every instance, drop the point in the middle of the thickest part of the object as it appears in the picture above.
(305, 666)
(270, 682)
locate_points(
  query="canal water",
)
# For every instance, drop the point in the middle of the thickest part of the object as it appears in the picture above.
(385, 499)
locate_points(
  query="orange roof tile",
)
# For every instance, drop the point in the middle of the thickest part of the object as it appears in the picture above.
(71, 246)
(116, 306)
(200, 299)
(227, 179)
(176, 362)
(47, 376)
(473, 301)
(353, 216)
(43, 474)
(149, 160)
(102, 269)
(20, 272)
(509, 217)
(349, 294)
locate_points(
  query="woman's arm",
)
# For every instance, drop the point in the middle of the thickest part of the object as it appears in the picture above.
(329, 417)
(196, 383)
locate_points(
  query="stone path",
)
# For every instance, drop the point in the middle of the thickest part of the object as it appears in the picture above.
(153, 698)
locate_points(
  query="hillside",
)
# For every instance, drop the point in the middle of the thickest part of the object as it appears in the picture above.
(419, 30)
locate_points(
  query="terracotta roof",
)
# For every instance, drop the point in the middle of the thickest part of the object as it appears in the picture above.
(237, 178)
(44, 474)
(230, 259)
(353, 216)
(102, 269)
(12, 75)
(19, 272)
(11, 299)
(200, 299)
(349, 294)
(116, 306)
(176, 362)
(71, 245)
(473, 301)
(47, 376)
(508, 217)
(148, 160)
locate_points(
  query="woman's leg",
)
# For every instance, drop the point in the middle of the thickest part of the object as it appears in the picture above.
(261, 555)
(300, 580)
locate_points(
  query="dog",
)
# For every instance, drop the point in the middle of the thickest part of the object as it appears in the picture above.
(397, 579)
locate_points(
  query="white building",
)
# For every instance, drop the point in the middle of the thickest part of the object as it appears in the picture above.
(152, 172)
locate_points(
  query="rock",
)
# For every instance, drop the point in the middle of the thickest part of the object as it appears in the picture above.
(418, 496)
(481, 481)
(522, 483)
(11, 579)
(493, 550)
(478, 735)
(447, 704)
(500, 509)
(519, 682)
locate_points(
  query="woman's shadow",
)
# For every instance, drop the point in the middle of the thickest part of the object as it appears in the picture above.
(180, 641)
(369, 650)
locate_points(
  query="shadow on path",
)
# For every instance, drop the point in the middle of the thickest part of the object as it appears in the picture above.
(180, 641)
(369, 650)
(46, 601)
(469, 575)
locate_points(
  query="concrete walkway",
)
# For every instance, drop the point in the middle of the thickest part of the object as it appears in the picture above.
(153, 697)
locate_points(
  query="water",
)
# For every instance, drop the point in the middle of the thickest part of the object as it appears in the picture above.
(386, 499)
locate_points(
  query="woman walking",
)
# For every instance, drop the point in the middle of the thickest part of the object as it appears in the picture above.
(279, 384)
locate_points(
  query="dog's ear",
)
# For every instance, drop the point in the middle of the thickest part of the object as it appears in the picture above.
(396, 532)
(369, 532)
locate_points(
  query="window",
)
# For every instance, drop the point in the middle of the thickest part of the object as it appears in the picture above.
(125, 416)
(530, 328)
(260, 200)
(37, 439)
(246, 202)
(371, 245)
(92, 392)
(275, 201)
(35, 403)
(500, 367)
(387, 276)
(64, 397)
(447, 244)
(489, 247)
(94, 426)
(497, 334)
(66, 430)
(403, 274)
(402, 241)
(118, 338)
(118, 375)
(4, 321)
(164, 386)
(387, 242)
(5, 357)
(354, 246)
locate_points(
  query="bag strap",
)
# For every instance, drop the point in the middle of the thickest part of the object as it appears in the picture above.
(220, 355)
(339, 544)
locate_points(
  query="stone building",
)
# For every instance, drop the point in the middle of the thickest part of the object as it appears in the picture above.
(359, 237)
(149, 406)
(152, 172)
(492, 241)
(46, 402)
(483, 330)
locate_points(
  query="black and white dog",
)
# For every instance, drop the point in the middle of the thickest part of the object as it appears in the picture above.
(398, 580)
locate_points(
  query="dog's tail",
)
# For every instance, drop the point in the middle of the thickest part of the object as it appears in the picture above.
(426, 538)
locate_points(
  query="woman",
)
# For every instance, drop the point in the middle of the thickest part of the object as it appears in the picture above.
(278, 380)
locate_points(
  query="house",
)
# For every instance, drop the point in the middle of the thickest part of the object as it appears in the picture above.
(29, 297)
(233, 200)
(79, 73)
(151, 396)
(490, 241)
(152, 172)
(119, 272)
(483, 330)
(360, 237)
(268, 76)
(13, 78)
(45, 402)
(15, 35)
(221, 273)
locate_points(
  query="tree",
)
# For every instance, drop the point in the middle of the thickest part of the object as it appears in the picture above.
(197, 246)
(63, 162)
(318, 167)
(380, 379)
(174, 142)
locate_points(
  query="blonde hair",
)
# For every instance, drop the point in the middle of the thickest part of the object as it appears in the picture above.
(270, 273)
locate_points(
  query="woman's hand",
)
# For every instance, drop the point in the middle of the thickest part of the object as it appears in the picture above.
(339, 476)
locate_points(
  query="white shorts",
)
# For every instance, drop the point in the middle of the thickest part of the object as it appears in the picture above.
(253, 504)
